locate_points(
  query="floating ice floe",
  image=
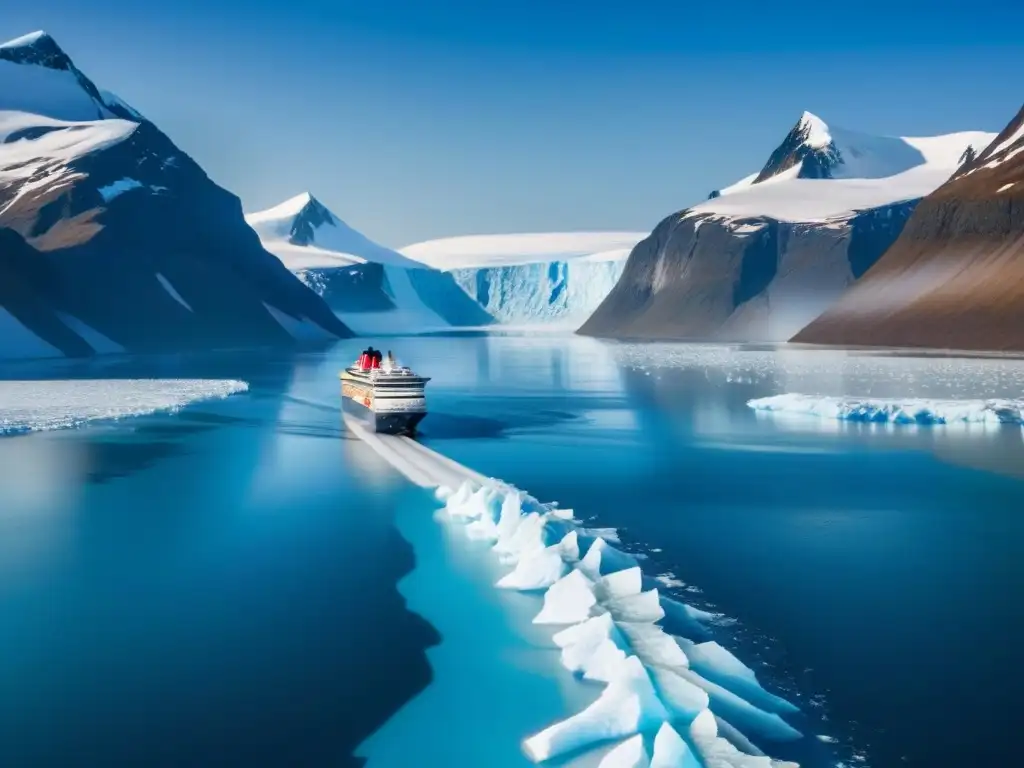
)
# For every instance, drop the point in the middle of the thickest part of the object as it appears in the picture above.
(684, 700)
(895, 411)
(31, 406)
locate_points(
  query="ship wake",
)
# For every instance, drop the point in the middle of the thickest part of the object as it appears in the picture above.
(669, 696)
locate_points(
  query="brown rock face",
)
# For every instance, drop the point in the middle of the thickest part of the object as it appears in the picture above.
(955, 277)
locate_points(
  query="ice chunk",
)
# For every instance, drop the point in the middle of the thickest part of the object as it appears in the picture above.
(621, 583)
(670, 751)
(511, 513)
(683, 699)
(628, 754)
(628, 705)
(478, 506)
(602, 558)
(536, 570)
(741, 713)
(592, 648)
(716, 752)
(608, 534)
(570, 547)
(643, 607)
(653, 645)
(527, 537)
(908, 411)
(568, 601)
(717, 664)
(459, 497)
(680, 619)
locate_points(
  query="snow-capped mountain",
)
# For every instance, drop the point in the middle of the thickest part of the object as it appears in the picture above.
(372, 288)
(532, 278)
(758, 260)
(113, 239)
(955, 277)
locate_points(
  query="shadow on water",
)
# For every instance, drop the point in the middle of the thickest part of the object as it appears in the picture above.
(186, 600)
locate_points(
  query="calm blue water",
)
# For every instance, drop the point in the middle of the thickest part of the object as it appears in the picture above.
(242, 584)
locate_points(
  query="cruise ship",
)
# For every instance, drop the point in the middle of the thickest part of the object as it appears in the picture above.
(388, 397)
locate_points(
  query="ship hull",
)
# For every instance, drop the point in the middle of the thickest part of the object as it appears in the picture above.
(390, 411)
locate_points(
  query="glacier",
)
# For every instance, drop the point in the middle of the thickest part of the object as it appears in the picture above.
(894, 411)
(36, 406)
(550, 278)
(563, 292)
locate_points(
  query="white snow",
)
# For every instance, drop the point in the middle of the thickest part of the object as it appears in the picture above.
(1006, 186)
(24, 40)
(119, 187)
(502, 250)
(818, 133)
(910, 411)
(875, 171)
(336, 245)
(333, 241)
(172, 291)
(17, 341)
(45, 91)
(42, 161)
(29, 406)
(1006, 143)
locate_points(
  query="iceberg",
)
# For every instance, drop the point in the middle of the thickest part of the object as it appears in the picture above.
(593, 648)
(537, 570)
(602, 558)
(670, 751)
(568, 601)
(894, 411)
(628, 705)
(629, 754)
(650, 652)
(31, 406)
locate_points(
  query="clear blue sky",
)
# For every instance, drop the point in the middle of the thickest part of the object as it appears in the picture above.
(414, 119)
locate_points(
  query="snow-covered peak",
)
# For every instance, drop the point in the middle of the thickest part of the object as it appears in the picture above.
(821, 172)
(1003, 156)
(26, 40)
(38, 77)
(305, 234)
(815, 131)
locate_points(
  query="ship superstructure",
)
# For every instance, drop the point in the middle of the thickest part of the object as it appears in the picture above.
(389, 397)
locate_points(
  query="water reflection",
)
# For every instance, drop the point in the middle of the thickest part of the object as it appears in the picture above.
(704, 390)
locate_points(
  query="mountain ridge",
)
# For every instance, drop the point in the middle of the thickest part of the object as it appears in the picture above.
(121, 213)
(766, 255)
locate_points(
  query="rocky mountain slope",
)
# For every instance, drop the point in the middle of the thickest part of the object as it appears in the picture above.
(111, 238)
(762, 258)
(533, 278)
(372, 288)
(955, 277)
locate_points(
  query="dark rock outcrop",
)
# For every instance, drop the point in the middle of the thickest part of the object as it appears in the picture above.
(955, 277)
(710, 277)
